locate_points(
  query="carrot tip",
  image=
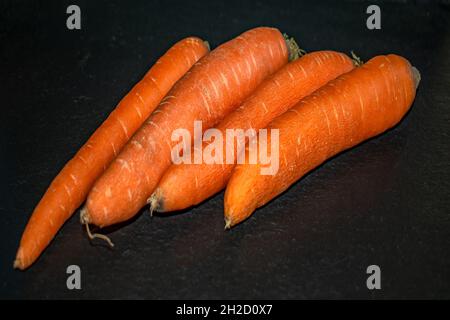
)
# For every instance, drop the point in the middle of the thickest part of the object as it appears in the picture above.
(84, 219)
(228, 224)
(18, 264)
(155, 202)
(84, 216)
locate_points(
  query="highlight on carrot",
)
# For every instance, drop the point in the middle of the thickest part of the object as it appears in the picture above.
(215, 86)
(71, 186)
(355, 107)
(187, 184)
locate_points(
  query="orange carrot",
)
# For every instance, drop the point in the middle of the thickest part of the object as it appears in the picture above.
(216, 85)
(355, 107)
(70, 187)
(184, 185)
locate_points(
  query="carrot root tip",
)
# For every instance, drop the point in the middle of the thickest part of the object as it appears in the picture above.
(228, 224)
(84, 219)
(84, 216)
(294, 50)
(155, 202)
(18, 264)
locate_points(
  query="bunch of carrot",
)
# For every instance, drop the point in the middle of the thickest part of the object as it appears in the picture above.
(321, 103)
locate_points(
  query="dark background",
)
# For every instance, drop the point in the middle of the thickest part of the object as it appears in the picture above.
(385, 202)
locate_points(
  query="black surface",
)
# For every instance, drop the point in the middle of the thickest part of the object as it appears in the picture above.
(385, 202)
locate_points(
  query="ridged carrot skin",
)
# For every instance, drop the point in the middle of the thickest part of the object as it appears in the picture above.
(216, 85)
(71, 186)
(184, 185)
(355, 107)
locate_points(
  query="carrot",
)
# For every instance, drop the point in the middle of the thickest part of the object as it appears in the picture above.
(70, 187)
(216, 85)
(273, 97)
(355, 107)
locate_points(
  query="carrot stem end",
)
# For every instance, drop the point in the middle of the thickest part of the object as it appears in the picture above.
(356, 60)
(295, 51)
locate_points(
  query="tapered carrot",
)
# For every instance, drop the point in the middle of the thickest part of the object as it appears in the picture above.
(356, 106)
(70, 187)
(184, 185)
(216, 85)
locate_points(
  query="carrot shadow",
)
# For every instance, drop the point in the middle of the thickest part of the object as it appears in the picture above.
(390, 141)
(175, 213)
